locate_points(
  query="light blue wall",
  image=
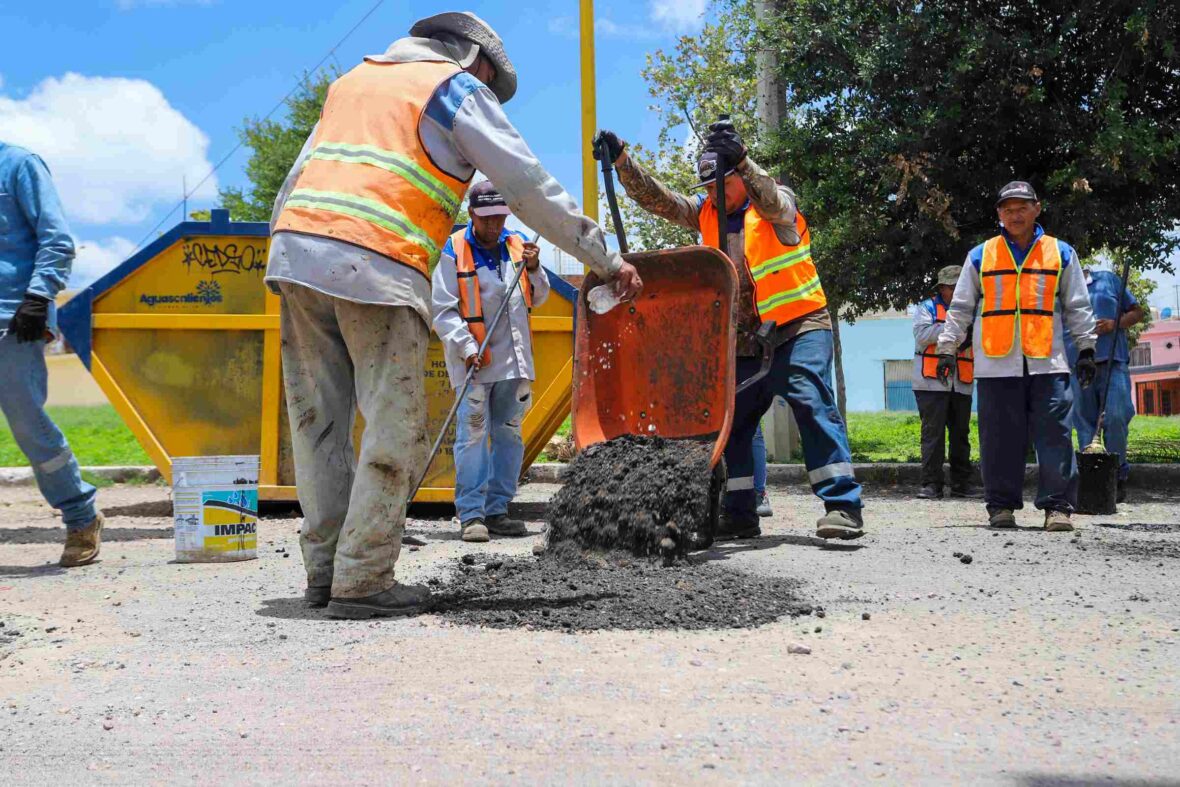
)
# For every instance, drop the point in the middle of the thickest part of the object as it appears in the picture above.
(866, 344)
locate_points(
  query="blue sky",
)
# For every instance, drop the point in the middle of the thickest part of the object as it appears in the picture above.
(128, 99)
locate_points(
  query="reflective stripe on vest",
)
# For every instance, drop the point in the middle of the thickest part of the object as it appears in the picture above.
(965, 363)
(467, 277)
(368, 179)
(1027, 293)
(786, 284)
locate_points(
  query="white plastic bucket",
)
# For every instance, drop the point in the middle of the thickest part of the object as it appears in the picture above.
(215, 508)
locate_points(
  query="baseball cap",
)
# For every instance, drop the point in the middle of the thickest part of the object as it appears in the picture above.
(1017, 189)
(485, 200)
(707, 170)
(950, 275)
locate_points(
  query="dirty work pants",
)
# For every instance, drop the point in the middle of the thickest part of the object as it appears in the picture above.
(1119, 410)
(801, 374)
(488, 447)
(339, 356)
(22, 399)
(943, 414)
(1010, 409)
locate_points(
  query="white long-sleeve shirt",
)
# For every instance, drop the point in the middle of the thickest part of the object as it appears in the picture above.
(511, 345)
(463, 129)
(926, 333)
(1071, 308)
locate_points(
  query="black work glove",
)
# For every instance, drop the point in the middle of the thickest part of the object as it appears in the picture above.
(724, 140)
(1086, 369)
(29, 320)
(614, 145)
(946, 363)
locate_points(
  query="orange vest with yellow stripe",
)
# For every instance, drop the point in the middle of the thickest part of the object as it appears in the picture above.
(368, 180)
(965, 363)
(470, 305)
(1027, 294)
(786, 284)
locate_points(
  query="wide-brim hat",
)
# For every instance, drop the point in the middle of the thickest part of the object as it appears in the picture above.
(474, 29)
(949, 275)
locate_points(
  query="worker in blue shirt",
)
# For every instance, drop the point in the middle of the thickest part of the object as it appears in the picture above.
(1112, 359)
(36, 253)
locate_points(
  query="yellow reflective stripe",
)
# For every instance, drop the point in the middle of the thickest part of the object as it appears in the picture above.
(396, 163)
(775, 264)
(366, 209)
(789, 296)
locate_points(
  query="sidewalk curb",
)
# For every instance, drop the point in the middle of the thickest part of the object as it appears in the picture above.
(23, 476)
(897, 474)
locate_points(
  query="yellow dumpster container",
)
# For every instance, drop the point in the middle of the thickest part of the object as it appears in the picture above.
(183, 338)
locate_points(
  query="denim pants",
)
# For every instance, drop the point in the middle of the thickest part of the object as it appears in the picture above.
(22, 399)
(1119, 411)
(758, 445)
(1011, 409)
(488, 447)
(801, 374)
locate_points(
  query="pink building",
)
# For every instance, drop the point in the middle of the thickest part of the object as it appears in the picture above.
(1155, 369)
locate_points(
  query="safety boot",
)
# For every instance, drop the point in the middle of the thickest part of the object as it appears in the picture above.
(474, 531)
(840, 523)
(1058, 522)
(1001, 517)
(317, 597)
(502, 525)
(83, 544)
(930, 492)
(737, 526)
(397, 601)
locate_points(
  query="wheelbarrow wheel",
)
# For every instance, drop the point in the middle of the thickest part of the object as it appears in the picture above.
(703, 538)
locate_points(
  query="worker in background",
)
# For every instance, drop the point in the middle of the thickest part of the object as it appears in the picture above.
(944, 407)
(477, 265)
(357, 227)
(769, 241)
(1113, 360)
(36, 255)
(1017, 293)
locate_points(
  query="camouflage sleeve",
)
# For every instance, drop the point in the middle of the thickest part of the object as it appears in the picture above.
(773, 202)
(656, 198)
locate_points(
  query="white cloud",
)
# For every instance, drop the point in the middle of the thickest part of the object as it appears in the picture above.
(96, 257)
(678, 16)
(117, 149)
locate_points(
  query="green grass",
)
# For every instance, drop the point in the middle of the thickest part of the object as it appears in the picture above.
(97, 435)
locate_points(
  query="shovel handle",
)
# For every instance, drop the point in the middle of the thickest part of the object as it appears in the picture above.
(608, 180)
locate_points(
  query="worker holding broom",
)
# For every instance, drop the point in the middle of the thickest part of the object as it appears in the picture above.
(357, 227)
(1017, 293)
(470, 282)
(770, 243)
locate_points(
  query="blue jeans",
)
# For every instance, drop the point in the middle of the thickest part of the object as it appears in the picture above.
(758, 444)
(1119, 411)
(488, 447)
(1010, 410)
(22, 400)
(801, 374)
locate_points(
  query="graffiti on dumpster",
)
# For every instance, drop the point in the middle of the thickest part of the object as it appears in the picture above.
(228, 258)
(207, 293)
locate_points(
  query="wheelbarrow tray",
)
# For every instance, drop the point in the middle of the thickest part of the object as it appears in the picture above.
(662, 365)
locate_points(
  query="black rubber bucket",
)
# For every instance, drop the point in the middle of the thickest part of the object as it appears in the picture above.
(1098, 480)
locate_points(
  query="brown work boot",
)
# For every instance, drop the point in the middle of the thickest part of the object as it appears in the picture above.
(474, 531)
(503, 525)
(398, 601)
(83, 544)
(1058, 522)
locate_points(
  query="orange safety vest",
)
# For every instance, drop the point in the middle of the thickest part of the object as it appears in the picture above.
(1028, 292)
(368, 180)
(786, 284)
(470, 305)
(965, 363)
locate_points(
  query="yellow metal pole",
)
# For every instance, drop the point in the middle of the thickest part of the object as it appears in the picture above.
(589, 111)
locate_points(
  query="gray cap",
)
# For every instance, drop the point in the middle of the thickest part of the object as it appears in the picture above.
(474, 29)
(1017, 189)
(949, 275)
(707, 170)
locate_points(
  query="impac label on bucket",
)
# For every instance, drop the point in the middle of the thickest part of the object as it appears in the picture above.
(229, 520)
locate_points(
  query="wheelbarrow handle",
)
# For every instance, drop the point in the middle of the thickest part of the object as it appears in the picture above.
(763, 337)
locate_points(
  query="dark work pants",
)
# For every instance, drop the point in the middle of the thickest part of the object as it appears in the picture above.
(945, 413)
(1011, 409)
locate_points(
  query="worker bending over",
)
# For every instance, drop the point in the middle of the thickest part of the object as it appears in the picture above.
(1112, 360)
(1016, 294)
(36, 255)
(357, 228)
(943, 407)
(471, 281)
(769, 241)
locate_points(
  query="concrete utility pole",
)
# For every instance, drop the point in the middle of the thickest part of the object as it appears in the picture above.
(778, 425)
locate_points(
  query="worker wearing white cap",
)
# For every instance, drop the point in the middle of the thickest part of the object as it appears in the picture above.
(358, 226)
